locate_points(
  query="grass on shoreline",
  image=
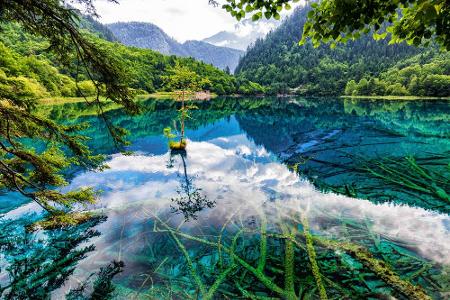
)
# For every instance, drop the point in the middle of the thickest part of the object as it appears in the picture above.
(140, 97)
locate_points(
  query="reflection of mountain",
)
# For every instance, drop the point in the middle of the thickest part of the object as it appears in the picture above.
(357, 151)
(336, 137)
(234, 152)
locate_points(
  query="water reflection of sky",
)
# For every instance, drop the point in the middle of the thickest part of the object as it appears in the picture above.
(233, 171)
(231, 166)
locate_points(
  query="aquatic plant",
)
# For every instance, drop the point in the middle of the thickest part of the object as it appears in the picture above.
(174, 145)
(408, 174)
(249, 257)
(417, 180)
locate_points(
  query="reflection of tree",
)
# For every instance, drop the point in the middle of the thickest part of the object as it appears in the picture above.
(36, 266)
(381, 151)
(190, 200)
(102, 286)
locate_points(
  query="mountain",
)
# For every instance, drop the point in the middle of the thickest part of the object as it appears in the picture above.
(29, 70)
(150, 36)
(231, 40)
(146, 36)
(279, 62)
(221, 57)
(244, 34)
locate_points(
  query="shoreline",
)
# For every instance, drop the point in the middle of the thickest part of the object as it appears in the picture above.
(410, 98)
(170, 95)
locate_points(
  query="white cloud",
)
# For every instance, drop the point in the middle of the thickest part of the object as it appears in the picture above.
(181, 19)
(235, 169)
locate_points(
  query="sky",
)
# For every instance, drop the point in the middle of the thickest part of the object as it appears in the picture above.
(181, 19)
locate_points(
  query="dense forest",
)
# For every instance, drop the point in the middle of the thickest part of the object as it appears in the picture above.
(279, 63)
(28, 69)
(425, 74)
(276, 64)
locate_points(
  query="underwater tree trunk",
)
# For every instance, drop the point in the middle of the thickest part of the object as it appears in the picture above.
(182, 116)
(186, 177)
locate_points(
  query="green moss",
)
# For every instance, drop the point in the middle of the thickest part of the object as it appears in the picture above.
(379, 267)
(312, 259)
(278, 261)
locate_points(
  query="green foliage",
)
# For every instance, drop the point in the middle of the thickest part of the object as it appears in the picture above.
(44, 52)
(151, 71)
(268, 8)
(414, 21)
(86, 88)
(247, 87)
(102, 287)
(34, 150)
(183, 79)
(38, 265)
(427, 74)
(279, 63)
(168, 133)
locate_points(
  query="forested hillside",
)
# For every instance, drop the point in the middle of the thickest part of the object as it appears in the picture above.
(28, 69)
(425, 74)
(280, 63)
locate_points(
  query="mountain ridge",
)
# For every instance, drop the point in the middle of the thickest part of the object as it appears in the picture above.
(279, 62)
(150, 36)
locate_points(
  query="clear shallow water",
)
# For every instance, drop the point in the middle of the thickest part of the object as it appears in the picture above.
(274, 197)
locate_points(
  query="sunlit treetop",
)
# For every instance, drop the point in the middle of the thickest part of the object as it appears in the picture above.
(181, 78)
(330, 21)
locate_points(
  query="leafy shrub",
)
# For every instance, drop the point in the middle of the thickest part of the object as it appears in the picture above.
(86, 88)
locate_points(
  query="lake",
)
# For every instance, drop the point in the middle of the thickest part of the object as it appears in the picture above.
(308, 198)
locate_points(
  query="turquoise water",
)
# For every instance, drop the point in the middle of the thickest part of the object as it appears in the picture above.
(285, 198)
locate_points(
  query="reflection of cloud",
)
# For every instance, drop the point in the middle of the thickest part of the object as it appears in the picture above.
(174, 11)
(241, 174)
(236, 173)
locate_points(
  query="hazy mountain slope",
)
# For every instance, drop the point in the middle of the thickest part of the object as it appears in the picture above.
(220, 57)
(244, 34)
(145, 35)
(278, 61)
(149, 36)
(231, 40)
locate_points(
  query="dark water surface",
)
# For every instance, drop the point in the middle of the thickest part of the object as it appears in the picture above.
(286, 198)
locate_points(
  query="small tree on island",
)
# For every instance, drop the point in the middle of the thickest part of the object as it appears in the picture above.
(185, 83)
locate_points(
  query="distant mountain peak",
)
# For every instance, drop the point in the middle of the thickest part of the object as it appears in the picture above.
(244, 34)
